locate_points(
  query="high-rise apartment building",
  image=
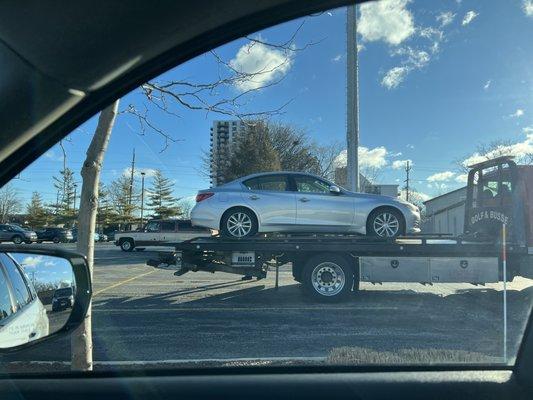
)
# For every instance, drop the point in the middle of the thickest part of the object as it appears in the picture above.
(223, 134)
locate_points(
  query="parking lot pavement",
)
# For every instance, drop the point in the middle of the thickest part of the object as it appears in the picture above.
(144, 314)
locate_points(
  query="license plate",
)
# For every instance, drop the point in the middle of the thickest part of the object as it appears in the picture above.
(243, 258)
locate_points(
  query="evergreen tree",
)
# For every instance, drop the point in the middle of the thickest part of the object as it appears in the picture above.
(119, 195)
(160, 198)
(64, 207)
(38, 215)
(105, 213)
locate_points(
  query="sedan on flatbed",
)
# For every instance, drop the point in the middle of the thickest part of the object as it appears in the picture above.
(299, 202)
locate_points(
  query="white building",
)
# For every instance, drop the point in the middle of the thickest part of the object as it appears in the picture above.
(222, 135)
(446, 213)
(365, 186)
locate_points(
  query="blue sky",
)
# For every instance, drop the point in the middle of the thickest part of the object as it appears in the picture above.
(436, 78)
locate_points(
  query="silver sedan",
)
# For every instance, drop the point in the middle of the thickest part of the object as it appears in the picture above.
(298, 202)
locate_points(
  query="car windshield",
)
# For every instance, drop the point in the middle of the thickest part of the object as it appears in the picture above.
(422, 110)
(63, 292)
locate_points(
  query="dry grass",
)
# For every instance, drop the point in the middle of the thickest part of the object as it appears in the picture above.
(366, 356)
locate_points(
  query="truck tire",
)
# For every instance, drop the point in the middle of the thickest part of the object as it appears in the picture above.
(127, 245)
(328, 277)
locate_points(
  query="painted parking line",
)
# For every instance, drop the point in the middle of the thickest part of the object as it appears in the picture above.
(122, 282)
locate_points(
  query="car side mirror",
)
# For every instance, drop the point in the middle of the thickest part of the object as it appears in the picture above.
(44, 293)
(334, 189)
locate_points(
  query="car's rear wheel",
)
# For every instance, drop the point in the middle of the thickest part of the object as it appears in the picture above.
(17, 239)
(56, 240)
(386, 223)
(127, 245)
(239, 223)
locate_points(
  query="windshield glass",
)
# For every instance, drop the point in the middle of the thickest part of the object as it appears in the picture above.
(394, 100)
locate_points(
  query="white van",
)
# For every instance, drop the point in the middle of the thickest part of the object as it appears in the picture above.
(159, 232)
(23, 317)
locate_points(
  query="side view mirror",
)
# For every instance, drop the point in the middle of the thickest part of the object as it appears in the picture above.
(334, 189)
(44, 293)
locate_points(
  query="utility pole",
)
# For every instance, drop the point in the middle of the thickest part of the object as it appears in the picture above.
(407, 170)
(131, 178)
(75, 195)
(352, 100)
(142, 196)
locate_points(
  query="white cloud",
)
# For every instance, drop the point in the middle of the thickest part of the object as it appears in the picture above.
(445, 18)
(519, 150)
(51, 155)
(441, 176)
(370, 158)
(394, 77)
(148, 172)
(386, 20)
(469, 17)
(260, 65)
(400, 164)
(486, 86)
(410, 146)
(337, 58)
(461, 178)
(528, 130)
(517, 114)
(527, 6)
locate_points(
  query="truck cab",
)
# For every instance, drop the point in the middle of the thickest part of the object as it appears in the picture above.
(498, 193)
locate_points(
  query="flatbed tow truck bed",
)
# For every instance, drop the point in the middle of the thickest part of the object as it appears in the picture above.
(330, 266)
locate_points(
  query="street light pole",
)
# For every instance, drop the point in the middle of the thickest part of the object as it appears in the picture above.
(142, 197)
(352, 101)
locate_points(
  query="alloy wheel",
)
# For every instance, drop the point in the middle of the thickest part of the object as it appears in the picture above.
(386, 224)
(239, 224)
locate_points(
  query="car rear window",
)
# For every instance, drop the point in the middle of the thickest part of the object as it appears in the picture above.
(276, 183)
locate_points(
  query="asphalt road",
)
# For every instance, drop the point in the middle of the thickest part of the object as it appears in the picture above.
(144, 314)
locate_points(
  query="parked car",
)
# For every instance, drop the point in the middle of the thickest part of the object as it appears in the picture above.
(53, 234)
(75, 235)
(23, 317)
(102, 237)
(159, 232)
(298, 202)
(16, 234)
(63, 298)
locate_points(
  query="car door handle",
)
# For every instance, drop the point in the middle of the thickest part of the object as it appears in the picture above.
(33, 334)
(254, 197)
(304, 199)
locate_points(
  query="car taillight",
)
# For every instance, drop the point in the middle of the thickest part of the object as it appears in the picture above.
(202, 196)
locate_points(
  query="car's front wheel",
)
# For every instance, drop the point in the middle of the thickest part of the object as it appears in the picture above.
(386, 223)
(239, 223)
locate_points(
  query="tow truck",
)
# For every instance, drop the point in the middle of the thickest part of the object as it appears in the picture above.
(496, 245)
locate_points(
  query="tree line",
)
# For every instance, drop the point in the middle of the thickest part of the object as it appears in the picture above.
(119, 203)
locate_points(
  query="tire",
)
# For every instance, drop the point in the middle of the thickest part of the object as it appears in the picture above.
(385, 223)
(127, 245)
(56, 240)
(239, 223)
(17, 239)
(39, 241)
(328, 277)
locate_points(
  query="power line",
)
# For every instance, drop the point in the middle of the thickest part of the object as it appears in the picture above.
(408, 168)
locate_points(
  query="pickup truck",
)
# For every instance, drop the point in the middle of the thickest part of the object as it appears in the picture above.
(159, 233)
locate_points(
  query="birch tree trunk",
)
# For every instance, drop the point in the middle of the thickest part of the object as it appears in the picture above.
(81, 339)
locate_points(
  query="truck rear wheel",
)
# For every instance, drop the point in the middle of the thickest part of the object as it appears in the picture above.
(328, 277)
(127, 245)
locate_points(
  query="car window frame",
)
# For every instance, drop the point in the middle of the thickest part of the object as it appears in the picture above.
(11, 295)
(294, 185)
(287, 183)
(20, 271)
